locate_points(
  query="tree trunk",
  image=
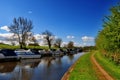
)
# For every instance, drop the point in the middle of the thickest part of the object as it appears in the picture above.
(49, 43)
(49, 46)
(58, 46)
(21, 46)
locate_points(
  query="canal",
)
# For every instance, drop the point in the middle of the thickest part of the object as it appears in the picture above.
(47, 68)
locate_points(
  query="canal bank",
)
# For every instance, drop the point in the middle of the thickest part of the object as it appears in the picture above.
(67, 73)
(82, 69)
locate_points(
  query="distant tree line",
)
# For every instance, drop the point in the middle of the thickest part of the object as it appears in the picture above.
(108, 39)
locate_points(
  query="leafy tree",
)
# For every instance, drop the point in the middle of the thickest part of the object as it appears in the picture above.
(70, 44)
(108, 38)
(21, 27)
(58, 42)
(49, 38)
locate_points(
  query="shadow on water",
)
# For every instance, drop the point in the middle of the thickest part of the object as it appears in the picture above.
(47, 68)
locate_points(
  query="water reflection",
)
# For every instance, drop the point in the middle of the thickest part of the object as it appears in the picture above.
(7, 67)
(47, 68)
(70, 57)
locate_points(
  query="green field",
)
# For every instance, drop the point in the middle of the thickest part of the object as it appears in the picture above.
(6, 46)
(108, 65)
(83, 69)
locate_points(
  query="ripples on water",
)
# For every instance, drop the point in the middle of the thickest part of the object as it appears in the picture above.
(47, 68)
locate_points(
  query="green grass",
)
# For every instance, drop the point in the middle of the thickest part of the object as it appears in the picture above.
(6, 46)
(108, 65)
(83, 69)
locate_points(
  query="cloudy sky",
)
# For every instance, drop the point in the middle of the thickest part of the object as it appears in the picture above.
(71, 20)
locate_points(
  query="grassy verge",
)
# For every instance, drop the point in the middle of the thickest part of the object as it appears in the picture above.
(109, 66)
(83, 69)
(6, 46)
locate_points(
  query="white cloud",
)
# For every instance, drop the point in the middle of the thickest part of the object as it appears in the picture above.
(64, 44)
(38, 36)
(77, 44)
(70, 37)
(4, 38)
(84, 44)
(30, 12)
(42, 43)
(5, 28)
(52, 37)
(6, 35)
(6, 42)
(87, 39)
(40, 39)
(56, 37)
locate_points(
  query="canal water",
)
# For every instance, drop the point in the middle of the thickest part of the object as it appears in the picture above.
(47, 68)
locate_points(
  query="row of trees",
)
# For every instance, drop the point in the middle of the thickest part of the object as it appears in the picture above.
(108, 38)
(22, 29)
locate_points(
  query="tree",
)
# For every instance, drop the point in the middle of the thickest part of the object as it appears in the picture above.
(108, 38)
(49, 38)
(21, 28)
(34, 40)
(70, 44)
(58, 42)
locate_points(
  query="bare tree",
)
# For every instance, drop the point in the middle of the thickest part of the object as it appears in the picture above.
(58, 42)
(70, 44)
(21, 28)
(48, 36)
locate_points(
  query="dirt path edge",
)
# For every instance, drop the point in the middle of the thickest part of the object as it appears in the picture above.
(102, 71)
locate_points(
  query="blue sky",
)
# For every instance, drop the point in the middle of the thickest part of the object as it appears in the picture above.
(72, 18)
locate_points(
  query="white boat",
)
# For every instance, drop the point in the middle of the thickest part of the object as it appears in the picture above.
(58, 53)
(45, 53)
(8, 55)
(27, 54)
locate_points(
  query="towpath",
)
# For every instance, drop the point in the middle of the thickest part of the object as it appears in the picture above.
(102, 74)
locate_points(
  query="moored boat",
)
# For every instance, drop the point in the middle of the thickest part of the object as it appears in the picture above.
(8, 55)
(58, 53)
(45, 53)
(27, 54)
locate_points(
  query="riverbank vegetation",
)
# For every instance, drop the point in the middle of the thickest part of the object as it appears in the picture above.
(108, 65)
(108, 39)
(83, 69)
(108, 43)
